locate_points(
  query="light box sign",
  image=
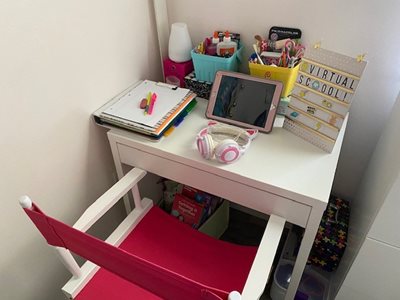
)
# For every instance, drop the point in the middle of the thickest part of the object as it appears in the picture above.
(332, 76)
(307, 94)
(325, 88)
(322, 95)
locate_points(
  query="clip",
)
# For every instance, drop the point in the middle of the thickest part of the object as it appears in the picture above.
(317, 45)
(361, 57)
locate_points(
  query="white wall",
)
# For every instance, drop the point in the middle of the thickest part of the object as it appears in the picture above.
(60, 61)
(348, 27)
(377, 189)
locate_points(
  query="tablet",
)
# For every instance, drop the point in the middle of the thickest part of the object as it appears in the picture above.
(244, 100)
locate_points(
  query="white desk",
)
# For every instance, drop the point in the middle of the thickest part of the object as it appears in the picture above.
(280, 174)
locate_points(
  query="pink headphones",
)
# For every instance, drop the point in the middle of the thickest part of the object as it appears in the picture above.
(224, 142)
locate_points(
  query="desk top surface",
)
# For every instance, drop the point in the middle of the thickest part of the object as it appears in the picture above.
(278, 162)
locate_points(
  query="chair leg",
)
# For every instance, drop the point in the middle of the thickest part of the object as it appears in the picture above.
(261, 268)
(68, 261)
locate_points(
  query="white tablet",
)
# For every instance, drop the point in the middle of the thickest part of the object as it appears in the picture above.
(244, 100)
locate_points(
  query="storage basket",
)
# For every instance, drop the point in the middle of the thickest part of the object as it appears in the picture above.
(331, 239)
(205, 66)
(286, 75)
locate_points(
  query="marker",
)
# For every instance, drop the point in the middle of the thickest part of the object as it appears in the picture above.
(169, 131)
(180, 118)
(152, 103)
(146, 110)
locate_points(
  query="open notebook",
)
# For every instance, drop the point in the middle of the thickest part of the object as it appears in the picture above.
(124, 109)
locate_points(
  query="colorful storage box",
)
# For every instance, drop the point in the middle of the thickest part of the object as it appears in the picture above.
(286, 75)
(331, 239)
(205, 66)
(201, 88)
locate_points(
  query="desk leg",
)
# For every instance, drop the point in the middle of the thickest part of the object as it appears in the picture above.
(120, 172)
(304, 251)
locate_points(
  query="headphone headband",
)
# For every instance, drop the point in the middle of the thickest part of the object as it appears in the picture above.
(226, 142)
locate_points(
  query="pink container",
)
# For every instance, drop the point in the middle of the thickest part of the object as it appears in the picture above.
(179, 70)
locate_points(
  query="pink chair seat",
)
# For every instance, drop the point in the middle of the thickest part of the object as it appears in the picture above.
(106, 285)
(170, 244)
(158, 257)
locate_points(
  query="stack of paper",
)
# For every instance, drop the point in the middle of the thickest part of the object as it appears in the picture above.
(124, 110)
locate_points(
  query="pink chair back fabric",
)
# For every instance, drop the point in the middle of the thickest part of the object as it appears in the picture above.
(156, 279)
(149, 268)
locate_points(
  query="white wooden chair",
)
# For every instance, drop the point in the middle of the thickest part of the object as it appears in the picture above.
(153, 256)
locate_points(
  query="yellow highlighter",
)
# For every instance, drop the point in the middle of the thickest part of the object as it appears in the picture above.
(146, 110)
(169, 131)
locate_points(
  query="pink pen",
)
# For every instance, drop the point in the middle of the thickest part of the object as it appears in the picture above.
(152, 103)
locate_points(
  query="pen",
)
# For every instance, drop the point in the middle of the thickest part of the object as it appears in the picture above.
(152, 103)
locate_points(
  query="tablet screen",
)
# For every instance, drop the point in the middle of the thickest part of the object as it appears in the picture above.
(245, 100)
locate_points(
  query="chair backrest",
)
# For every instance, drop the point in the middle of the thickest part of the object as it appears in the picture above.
(156, 279)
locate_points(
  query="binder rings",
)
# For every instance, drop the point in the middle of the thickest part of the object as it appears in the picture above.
(124, 110)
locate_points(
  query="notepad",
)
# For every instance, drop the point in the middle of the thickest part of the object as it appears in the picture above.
(124, 110)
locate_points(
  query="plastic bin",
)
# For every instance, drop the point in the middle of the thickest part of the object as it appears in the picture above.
(205, 66)
(313, 286)
(286, 75)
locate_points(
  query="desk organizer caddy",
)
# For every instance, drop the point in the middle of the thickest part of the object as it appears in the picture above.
(322, 95)
(286, 75)
(205, 66)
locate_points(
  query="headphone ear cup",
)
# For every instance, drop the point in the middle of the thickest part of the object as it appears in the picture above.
(205, 145)
(227, 151)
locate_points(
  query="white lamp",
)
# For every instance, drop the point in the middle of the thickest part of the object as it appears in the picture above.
(180, 43)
